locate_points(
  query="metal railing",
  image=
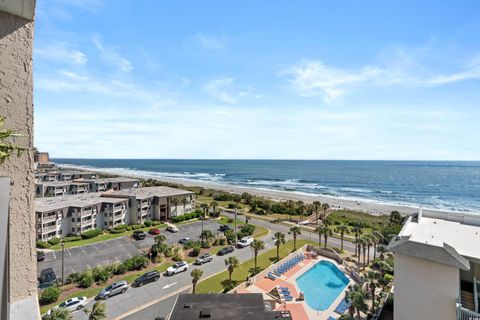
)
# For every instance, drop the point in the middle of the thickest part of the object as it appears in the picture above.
(475, 292)
(465, 314)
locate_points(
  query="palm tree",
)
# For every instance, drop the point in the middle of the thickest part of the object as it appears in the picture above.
(257, 246)
(342, 229)
(232, 263)
(300, 208)
(357, 297)
(290, 205)
(319, 231)
(58, 314)
(377, 237)
(184, 202)
(160, 239)
(363, 244)
(357, 230)
(98, 311)
(205, 207)
(316, 205)
(325, 207)
(369, 243)
(325, 231)
(196, 274)
(279, 240)
(214, 205)
(373, 276)
(382, 250)
(175, 202)
(295, 231)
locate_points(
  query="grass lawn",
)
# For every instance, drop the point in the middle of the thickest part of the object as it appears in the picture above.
(103, 237)
(214, 283)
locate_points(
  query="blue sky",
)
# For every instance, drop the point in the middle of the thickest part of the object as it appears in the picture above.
(258, 79)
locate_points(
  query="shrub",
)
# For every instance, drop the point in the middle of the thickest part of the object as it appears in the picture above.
(72, 238)
(86, 279)
(73, 277)
(54, 241)
(42, 244)
(101, 274)
(230, 220)
(196, 250)
(49, 295)
(177, 219)
(121, 269)
(118, 231)
(179, 254)
(129, 228)
(148, 223)
(248, 229)
(120, 227)
(136, 226)
(222, 241)
(136, 263)
(92, 233)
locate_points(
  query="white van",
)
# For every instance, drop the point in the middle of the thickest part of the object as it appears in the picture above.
(245, 242)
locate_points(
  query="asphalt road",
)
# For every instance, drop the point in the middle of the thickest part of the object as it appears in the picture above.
(89, 256)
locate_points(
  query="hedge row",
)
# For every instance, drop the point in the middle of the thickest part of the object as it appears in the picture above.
(186, 217)
(92, 233)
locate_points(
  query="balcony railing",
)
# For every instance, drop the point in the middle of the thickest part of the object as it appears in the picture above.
(465, 314)
(49, 229)
(49, 218)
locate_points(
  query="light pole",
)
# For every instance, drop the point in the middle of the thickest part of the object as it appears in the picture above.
(235, 225)
(63, 262)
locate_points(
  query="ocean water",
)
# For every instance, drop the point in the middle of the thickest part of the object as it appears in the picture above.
(445, 185)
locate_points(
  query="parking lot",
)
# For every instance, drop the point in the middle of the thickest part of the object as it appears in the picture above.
(89, 256)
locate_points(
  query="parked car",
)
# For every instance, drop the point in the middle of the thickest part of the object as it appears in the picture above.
(204, 258)
(139, 235)
(154, 231)
(147, 277)
(72, 304)
(113, 289)
(245, 242)
(172, 228)
(178, 267)
(40, 256)
(47, 278)
(226, 250)
(184, 240)
(224, 227)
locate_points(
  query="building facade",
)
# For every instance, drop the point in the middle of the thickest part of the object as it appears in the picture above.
(437, 267)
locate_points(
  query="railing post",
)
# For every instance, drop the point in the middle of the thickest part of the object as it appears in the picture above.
(4, 244)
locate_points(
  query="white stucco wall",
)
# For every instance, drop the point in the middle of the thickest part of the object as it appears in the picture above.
(424, 290)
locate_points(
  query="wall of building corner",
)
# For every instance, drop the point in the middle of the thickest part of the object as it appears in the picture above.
(16, 105)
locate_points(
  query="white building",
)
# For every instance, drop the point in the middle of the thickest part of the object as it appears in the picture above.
(437, 264)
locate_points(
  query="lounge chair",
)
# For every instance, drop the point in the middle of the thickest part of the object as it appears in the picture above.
(271, 276)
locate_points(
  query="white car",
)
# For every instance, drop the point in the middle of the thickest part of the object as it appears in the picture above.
(172, 228)
(245, 242)
(178, 267)
(72, 304)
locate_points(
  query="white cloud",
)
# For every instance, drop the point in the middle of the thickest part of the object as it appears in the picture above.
(225, 90)
(61, 52)
(313, 77)
(210, 42)
(111, 55)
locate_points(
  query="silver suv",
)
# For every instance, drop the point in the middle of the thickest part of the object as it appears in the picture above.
(113, 289)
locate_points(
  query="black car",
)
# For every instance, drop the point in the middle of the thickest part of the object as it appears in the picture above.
(147, 277)
(40, 256)
(47, 278)
(224, 227)
(139, 235)
(226, 250)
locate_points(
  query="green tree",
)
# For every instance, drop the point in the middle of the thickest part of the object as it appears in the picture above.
(279, 240)
(325, 231)
(196, 274)
(316, 206)
(7, 148)
(373, 277)
(160, 239)
(295, 232)
(363, 244)
(369, 243)
(257, 246)
(205, 207)
(342, 229)
(58, 314)
(98, 311)
(184, 202)
(357, 230)
(232, 263)
(377, 238)
(325, 207)
(290, 204)
(357, 297)
(382, 250)
(214, 205)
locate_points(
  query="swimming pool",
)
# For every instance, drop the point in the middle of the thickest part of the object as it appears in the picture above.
(321, 284)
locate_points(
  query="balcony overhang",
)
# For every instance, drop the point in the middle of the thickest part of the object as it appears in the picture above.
(21, 8)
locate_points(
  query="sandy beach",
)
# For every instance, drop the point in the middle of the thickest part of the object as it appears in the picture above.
(371, 207)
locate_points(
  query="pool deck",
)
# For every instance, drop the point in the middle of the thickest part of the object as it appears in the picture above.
(298, 309)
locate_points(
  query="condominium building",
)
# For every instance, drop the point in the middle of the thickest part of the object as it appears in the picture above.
(159, 203)
(114, 183)
(437, 267)
(70, 184)
(51, 176)
(73, 214)
(60, 188)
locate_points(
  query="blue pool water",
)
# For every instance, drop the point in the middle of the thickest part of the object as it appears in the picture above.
(322, 284)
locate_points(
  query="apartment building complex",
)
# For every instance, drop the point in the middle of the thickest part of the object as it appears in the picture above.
(52, 176)
(73, 214)
(437, 267)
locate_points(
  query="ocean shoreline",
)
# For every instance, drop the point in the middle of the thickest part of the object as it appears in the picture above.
(367, 206)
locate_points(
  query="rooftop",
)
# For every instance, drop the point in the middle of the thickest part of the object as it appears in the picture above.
(224, 306)
(109, 180)
(442, 239)
(148, 192)
(82, 200)
(62, 183)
